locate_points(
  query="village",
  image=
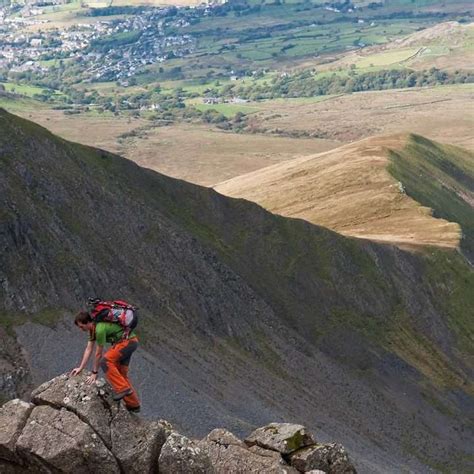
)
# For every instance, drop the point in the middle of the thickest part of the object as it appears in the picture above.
(109, 49)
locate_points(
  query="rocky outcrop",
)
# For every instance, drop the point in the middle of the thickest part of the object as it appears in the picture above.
(300, 450)
(74, 427)
(57, 440)
(137, 444)
(282, 437)
(180, 454)
(13, 416)
(330, 458)
(229, 454)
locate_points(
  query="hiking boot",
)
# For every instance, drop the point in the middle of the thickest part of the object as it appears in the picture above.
(133, 409)
(118, 396)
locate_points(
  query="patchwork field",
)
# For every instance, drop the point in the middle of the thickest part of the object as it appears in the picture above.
(447, 46)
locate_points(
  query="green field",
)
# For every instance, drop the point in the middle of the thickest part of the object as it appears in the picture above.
(22, 89)
(385, 59)
(65, 7)
(19, 105)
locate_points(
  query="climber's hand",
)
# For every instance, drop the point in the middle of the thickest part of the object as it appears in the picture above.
(91, 379)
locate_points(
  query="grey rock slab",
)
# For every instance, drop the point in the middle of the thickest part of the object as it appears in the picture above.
(91, 403)
(265, 453)
(282, 437)
(136, 442)
(181, 455)
(13, 417)
(331, 458)
(228, 454)
(60, 442)
(223, 437)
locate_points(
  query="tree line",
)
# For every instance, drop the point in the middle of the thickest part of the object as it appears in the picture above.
(308, 84)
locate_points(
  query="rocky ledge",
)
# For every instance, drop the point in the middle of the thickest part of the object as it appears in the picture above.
(71, 426)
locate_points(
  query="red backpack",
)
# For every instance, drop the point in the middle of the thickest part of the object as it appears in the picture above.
(117, 311)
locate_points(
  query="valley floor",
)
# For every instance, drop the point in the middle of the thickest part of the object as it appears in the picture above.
(288, 129)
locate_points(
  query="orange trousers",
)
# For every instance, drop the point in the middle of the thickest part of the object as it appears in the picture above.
(115, 366)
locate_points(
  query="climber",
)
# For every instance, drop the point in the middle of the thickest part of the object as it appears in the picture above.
(114, 362)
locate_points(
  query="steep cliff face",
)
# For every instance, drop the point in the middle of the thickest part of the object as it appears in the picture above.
(15, 378)
(247, 317)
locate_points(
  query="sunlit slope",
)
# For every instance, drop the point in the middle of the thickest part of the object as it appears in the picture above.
(441, 177)
(352, 191)
(445, 46)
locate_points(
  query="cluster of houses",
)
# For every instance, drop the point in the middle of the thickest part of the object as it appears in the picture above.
(26, 49)
(23, 49)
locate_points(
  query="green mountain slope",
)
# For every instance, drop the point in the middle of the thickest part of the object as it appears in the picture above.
(442, 178)
(247, 317)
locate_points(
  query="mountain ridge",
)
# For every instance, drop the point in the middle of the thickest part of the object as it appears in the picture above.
(353, 190)
(250, 316)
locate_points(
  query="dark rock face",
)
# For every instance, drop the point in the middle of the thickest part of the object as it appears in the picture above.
(15, 380)
(243, 313)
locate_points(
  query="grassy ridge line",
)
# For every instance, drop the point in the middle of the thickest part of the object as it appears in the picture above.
(349, 191)
(440, 177)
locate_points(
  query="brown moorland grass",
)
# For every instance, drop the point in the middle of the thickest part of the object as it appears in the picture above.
(194, 152)
(443, 113)
(207, 156)
(348, 190)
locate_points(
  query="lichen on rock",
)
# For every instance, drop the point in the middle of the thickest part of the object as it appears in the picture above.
(282, 437)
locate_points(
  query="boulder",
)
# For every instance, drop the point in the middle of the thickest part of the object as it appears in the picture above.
(93, 404)
(57, 440)
(282, 437)
(228, 454)
(331, 458)
(13, 417)
(180, 454)
(224, 437)
(136, 442)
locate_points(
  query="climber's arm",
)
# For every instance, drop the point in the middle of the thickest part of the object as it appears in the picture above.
(85, 358)
(95, 367)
